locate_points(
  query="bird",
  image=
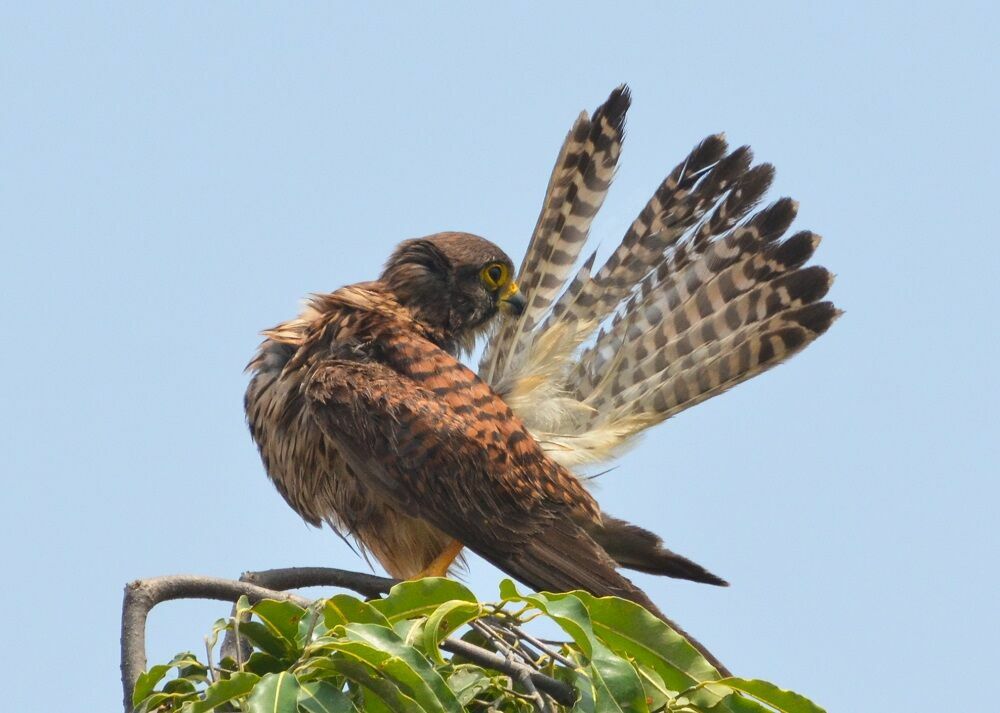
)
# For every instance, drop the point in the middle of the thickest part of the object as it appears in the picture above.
(367, 419)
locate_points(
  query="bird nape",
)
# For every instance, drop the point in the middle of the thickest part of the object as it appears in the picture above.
(366, 418)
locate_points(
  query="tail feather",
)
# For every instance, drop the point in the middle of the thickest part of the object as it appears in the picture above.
(713, 296)
(576, 191)
(760, 351)
(809, 317)
(685, 333)
(643, 248)
(703, 292)
(565, 558)
(636, 548)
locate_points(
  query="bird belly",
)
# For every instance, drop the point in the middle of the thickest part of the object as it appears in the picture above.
(403, 545)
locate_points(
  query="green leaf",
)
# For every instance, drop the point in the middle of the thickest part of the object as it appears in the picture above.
(615, 680)
(778, 698)
(210, 641)
(579, 679)
(342, 609)
(156, 700)
(185, 658)
(629, 630)
(381, 692)
(262, 663)
(195, 672)
(571, 618)
(147, 681)
(382, 648)
(443, 621)
(618, 684)
(419, 597)
(467, 683)
(508, 590)
(275, 693)
(323, 697)
(657, 693)
(182, 686)
(720, 699)
(266, 640)
(387, 654)
(175, 691)
(282, 618)
(409, 630)
(311, 625)
(236, 686)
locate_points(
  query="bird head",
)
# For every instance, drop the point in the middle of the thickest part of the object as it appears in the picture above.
(453, 282)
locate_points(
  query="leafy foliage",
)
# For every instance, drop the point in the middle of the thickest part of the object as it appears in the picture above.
(344, 654)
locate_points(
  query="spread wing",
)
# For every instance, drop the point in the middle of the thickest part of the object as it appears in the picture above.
(697, 298)
(443, 447)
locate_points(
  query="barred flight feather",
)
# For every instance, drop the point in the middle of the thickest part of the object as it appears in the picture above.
(700, 295)
(579, 183)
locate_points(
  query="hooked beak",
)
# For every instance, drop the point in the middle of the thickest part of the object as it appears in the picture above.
(512, 299)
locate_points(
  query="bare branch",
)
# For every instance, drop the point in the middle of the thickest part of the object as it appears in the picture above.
(368, 585)
(144, 594)
(541, 646)
(562, 692)
(538, 699)
(501, 645)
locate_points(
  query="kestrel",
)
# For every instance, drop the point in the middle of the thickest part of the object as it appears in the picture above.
(366, 418)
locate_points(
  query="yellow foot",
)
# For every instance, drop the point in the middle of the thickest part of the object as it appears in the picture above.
(440, 565)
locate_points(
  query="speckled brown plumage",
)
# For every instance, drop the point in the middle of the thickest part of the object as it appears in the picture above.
(366, 419)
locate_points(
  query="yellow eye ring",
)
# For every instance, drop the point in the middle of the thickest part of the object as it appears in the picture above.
(495, 275)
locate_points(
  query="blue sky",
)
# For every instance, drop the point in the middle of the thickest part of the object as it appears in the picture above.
(174, 177)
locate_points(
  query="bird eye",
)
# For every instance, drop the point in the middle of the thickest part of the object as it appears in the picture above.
(495, 275)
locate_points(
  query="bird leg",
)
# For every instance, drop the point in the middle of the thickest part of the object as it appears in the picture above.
(439, 565)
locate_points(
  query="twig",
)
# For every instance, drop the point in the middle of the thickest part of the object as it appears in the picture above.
(502, 623)
(240, 658)
(521, 674)
(497, 631)
(312, 622)
(562, 692)
(541, 647)
(503, 646)
(537, 698)
(209, 645)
